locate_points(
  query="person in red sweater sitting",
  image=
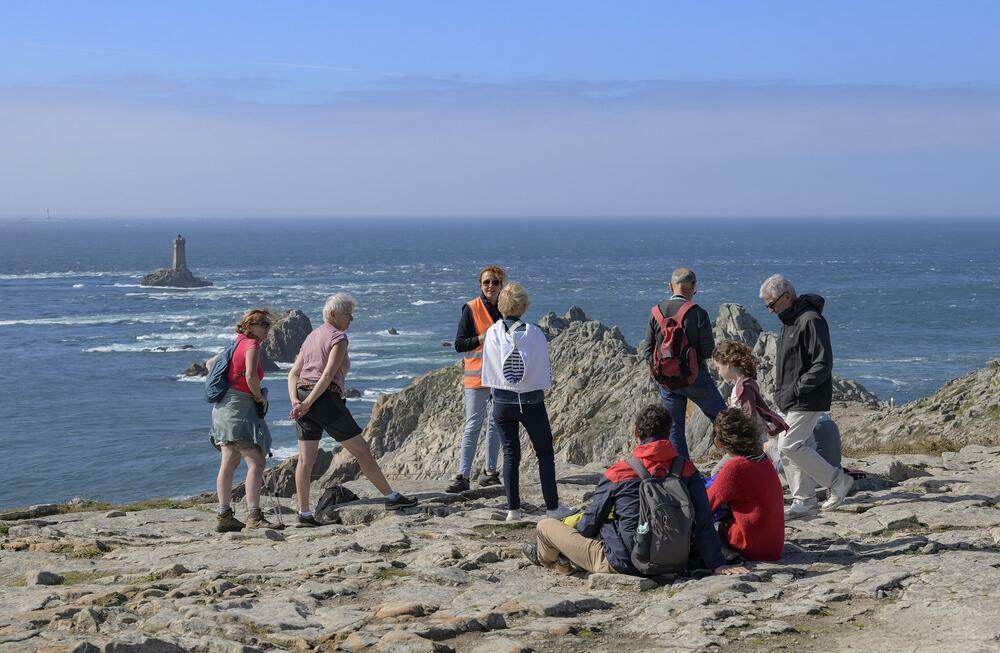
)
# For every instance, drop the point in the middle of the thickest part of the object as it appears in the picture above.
(747, 491)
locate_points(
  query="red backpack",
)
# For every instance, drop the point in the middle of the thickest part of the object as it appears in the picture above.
(675, 361)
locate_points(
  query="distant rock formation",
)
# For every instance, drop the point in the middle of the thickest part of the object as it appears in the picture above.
(177, 275)
(196, 369)
(964, 411)
(285, 338)
(599, 384)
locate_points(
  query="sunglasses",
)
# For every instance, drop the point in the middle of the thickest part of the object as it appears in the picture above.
(263, 323)
(771, 305)
(491, 282)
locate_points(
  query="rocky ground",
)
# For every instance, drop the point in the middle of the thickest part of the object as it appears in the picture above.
(910, 562)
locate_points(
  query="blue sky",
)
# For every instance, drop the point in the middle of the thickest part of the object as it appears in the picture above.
(489, 108)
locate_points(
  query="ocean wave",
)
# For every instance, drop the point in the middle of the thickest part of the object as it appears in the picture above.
(147, 349)
(870, 361)
(424, 302)
(186, 336)
(873, 377)
(282, 422)
(96, 320)
(284, 366)
(402, 332)
(408, 360)
(79, 285)
(69, 274)
(190, 379)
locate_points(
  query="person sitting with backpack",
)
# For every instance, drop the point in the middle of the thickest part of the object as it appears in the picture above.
(737, 365)
(747, 491)
(677, 348)
(661, 520)
(516, 367)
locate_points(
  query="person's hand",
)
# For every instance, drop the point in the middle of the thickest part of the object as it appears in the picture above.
(731, 570)
(298, 410)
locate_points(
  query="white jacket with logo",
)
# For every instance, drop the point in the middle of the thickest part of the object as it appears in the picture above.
(534, 349)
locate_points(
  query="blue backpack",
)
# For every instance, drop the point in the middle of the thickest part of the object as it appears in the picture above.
(217, 381)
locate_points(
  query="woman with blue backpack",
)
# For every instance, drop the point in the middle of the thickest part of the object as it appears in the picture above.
(238, 427)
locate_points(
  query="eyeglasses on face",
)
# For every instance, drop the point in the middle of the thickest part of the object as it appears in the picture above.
(491, 282)
(771, 304)
(264, 324)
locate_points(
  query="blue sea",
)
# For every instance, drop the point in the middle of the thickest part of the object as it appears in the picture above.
(93, 404)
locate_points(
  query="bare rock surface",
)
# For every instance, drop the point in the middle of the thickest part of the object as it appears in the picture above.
(911, 566)
(286, 336)
(173, 278)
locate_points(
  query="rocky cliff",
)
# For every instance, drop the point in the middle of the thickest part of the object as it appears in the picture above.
(285, 338)
(964, 411)
(598, 386)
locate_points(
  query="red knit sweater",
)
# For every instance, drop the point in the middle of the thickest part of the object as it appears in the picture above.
(752, 492)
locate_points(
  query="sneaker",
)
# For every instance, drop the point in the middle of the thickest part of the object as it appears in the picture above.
(838, 491)
(401, 501)
(460, 484)
(564, 566)
(227, 522)
(308, 521)
(562, 512)
(256, 519)
(530, 552)
(513, 515)
(489, 479)
(799, 509)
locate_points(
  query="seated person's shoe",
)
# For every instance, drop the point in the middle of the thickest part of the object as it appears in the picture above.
(489, 479)
(399, 502)
(564, 566)
(530, 552)
(561, 512)
(308, 521)
(799, 509)
(838, 491)
(513, 515)
(460, 484)
(256, 519)
(227, 522)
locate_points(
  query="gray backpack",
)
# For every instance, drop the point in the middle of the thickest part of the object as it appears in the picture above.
(666, 520)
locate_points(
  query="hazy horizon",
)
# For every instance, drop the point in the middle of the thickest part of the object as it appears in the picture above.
(475, 110)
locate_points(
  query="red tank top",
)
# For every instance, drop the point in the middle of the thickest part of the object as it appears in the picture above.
(238, 365)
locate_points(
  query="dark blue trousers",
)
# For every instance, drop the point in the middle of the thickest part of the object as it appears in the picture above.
(508, 417)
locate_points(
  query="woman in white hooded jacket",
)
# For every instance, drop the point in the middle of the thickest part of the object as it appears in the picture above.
(516, 368)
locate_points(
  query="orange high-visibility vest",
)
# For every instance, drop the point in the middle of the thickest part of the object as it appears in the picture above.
(473, 377)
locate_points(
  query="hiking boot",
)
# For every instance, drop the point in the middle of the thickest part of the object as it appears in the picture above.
(256, 519)
(460, 484)
(561, 512)
(401, 501)
(308, 521)
(513, 515)
(799, 509)
(530, 552)
(227, 522)
(838, 491)
(489, 479)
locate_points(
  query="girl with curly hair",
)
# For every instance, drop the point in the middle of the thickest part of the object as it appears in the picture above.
(737, 365)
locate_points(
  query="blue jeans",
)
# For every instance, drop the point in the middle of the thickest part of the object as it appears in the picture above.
(703, 393)
(476, 410)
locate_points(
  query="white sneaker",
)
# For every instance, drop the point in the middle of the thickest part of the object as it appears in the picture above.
(799, 509)
(562, 512)
(513, 515)
(839, 490)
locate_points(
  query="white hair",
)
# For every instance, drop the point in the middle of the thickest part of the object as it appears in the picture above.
(775, 286)
(338, 303)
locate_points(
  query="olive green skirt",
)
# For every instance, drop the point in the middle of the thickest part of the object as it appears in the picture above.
(235, 419)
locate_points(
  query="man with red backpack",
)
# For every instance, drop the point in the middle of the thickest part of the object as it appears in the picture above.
(679, 361)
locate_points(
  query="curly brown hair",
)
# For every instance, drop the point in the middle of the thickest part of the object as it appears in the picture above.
(738, 433)
(653, 421)
(254, 315)
(729, 352)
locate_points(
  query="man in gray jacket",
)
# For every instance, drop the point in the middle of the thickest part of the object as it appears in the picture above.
(803, 391)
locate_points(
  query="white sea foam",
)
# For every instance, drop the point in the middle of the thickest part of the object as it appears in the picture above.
(79, 285)
(119, 348)
(186, 336)
(281, 453)
(282, 422)
(873, 377)
(424, 302)
(402, 332)
(190, 379)
(70, 274)
(94, 320)
(284, 366)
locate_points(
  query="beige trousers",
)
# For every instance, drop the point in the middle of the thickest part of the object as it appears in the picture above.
(805, 469)
(555, 537)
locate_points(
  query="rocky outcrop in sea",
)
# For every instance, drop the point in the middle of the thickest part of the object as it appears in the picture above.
(173, 278)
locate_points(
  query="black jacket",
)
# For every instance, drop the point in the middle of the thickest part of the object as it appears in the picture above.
(804, 365)
(697, 326)
(467, 338)
(618, 493)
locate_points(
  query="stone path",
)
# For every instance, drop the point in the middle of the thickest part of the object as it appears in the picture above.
(911, 562)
